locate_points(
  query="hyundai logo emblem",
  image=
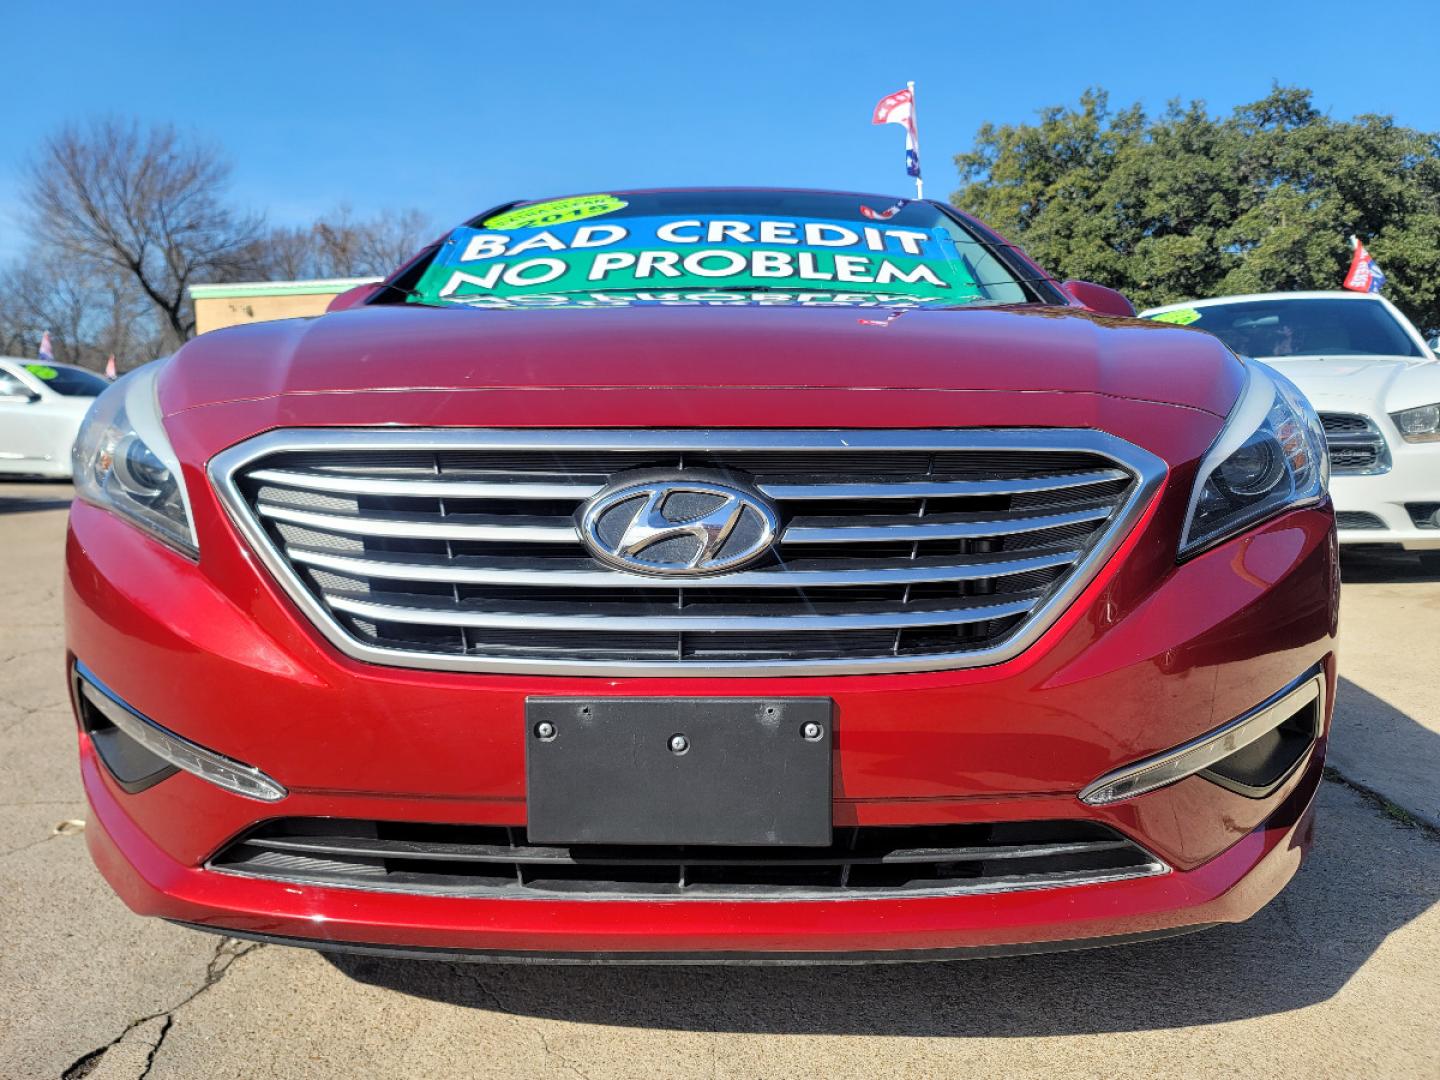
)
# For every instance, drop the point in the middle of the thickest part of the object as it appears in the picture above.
(678, 527)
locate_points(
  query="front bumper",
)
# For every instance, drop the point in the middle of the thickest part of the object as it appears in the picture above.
(1413, 477)
(1228, 888)
(1143, 661)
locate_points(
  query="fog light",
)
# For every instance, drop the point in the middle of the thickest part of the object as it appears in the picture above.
(181, 752)
(1199, 755)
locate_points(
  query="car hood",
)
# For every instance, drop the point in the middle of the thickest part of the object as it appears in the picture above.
(399, 348)
(1367, 384)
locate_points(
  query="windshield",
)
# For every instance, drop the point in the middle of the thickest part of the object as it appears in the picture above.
(1313, 326)
(70, 381)
(717, 247)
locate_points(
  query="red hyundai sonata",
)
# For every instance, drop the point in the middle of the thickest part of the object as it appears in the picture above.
(717, 574)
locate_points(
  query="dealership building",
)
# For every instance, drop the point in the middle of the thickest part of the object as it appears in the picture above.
(219, 306)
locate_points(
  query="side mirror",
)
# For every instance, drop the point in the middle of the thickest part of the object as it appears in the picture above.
(1100, 299)
(19, 396)
(353, 297)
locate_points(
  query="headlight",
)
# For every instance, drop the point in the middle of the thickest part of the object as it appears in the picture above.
(123, 462)
(1271, 456)
(1419, 425)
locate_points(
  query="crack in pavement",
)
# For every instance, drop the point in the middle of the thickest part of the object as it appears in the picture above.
(1383, 804)
(50, 647)
(28, 711)
(472, 973)
(42, 707)
(8, 852)
(159, 1041)
(77, 801)
(227, 951)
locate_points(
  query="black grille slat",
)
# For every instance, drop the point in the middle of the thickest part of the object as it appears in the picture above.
(378, 559)
(353, 847)
(1340, 422)
(499, 861)
(1357, 519)
(1353, 458)
(1356, 445)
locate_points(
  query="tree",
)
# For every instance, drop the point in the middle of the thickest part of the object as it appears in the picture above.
(146, 204)
(341, 245)
(1186, 205)
(373, 247)
(124, 219)
(90, 315)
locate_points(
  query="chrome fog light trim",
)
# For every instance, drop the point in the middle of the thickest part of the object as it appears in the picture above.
(215, 768)
(1198, 755)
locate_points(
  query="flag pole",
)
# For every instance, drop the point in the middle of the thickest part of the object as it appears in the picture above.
(915, 120)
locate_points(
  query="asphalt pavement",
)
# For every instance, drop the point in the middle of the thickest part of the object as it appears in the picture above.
(1338, 977)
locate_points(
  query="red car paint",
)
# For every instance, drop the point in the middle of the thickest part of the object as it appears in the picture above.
(1152, 654)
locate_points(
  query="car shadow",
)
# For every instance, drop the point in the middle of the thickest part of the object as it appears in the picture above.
(1362, 882)
(24, 497)
(1381, 565)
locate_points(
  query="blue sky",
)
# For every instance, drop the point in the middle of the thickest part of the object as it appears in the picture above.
(453, 107)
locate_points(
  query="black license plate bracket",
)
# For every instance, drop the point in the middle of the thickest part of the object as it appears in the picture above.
(676, 771)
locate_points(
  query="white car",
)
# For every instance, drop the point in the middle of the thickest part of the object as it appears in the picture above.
(1375, 383)
(41, 406)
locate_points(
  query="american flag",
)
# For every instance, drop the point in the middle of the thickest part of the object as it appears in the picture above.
(899, 108)
(882, 215)
(1363, 275)
(47, 353)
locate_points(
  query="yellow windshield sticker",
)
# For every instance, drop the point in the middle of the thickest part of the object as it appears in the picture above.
(556, 212)
(1180, 316)
(42, 371)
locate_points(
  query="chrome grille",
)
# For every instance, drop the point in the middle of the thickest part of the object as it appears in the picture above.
(1356, 444)
(901, 550)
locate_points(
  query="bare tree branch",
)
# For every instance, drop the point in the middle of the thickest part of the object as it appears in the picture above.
(124, 218)
(147, 203)
(340, 245)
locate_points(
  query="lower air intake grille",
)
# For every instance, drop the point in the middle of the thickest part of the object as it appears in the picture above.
(1357, 519)
(1356, 444)
(492, 861)
(1424, 515)
(894, 550)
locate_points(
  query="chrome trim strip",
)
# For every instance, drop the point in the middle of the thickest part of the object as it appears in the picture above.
(940, 530)
(418, 488)
(1150, 472)
(1199, 754)
(888, 620)
(542, 855)
(485, 489)
(917, 572)
(940, 489)
(420, 530)
(247, 781)
(977, 887)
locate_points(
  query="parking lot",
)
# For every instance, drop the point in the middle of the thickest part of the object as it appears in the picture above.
(1336, 978)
